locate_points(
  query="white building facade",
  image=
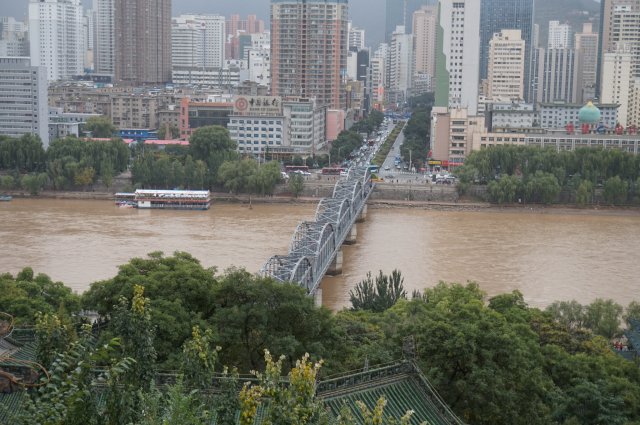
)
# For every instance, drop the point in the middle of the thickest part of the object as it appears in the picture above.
(56, 37)
(616, 79)
(505, 73)
(23, 104)
(460, 23)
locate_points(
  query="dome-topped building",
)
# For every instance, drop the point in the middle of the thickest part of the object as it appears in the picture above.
(589, 114)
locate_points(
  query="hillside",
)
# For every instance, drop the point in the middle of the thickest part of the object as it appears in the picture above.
(574, 12)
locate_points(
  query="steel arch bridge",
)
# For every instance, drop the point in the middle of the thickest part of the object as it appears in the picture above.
(315, 244)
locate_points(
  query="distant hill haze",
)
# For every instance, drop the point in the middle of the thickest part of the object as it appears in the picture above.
(573, 12)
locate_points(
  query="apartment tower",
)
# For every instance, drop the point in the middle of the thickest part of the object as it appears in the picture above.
(458, 55)
(424, 33)
(498, 15)
(56, 37)
(506, 66)
(104, 42)
(309, 49)
(142, 42)
(586, 48)
(23, 104)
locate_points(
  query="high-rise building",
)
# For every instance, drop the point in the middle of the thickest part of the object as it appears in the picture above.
(616, 27)
(399, 65)
(458, 55)
(559, 36)
(104, 43)
(56, 37)
(142, 41)
(498, 15)
(617, 79)
(235, 28)
(23, 104)
(14, 37)
(506, 66)
(309, 49)
(586, 47)
(378, 75)
(399, 12)
(556, 74)
(424, 33)
(88, 31)
(356, 37)
(198, 41)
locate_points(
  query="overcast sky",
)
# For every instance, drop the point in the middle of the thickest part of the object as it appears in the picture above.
(367, 14)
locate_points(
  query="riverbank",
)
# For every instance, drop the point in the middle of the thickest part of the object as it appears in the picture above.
(462, 205)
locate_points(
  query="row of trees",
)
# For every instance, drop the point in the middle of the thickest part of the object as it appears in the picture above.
(416, 134)
(539, 175)
(369, 124)
(494, 360)
(347, 142)
(68, 163)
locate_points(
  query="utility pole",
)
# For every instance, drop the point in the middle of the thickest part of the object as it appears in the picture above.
(410, 163)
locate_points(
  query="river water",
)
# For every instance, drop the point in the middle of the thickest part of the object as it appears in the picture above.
(547, 254)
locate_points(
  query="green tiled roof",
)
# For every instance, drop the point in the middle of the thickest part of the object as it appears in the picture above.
(401, 396)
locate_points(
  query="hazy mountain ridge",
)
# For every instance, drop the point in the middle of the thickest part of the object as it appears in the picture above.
(573, 12)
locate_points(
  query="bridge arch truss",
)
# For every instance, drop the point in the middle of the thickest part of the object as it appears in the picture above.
(315, 244)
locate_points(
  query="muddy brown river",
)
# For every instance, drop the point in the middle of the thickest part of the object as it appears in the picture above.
(548, 255)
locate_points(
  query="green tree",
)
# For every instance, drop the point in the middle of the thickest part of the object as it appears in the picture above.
(255, 313)
(200, 358)
(379, 296)
(504, 190)
(100, 127)
(632, 312)
(85, 176)
(294, 403)
(54, 336)
(69, 396)
(616, 190)
(132, 323)
(239, 176)
(214, 146)
(570, 314)
(542, 187)
(584, 193)
(266, 178)
(34, 183)
(7, 182)
(603, 318)
(296, 185)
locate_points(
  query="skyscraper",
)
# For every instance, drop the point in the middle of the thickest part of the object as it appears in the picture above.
(309, 49)
(556, 75)
(142, 41)
(56, 37)
(198, 41)
(498, 15)
(23, 104)
(104, 44)
(400, 65)
(506, 66)
(399, 12)
(616, 72)
(616, 25)
(586, 47)
(559, 35)
(424, 33)
(458, 54)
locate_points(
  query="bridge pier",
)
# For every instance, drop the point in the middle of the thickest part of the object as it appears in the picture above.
(363, 214)
(352, 236)
(317, 298)
(336, 266)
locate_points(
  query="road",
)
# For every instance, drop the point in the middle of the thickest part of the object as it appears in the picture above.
(393, 173)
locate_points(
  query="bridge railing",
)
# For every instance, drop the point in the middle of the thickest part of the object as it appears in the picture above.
(314, 244)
